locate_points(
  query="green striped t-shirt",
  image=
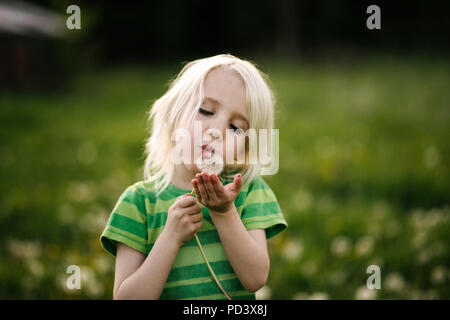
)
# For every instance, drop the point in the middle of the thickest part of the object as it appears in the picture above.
(139, 216)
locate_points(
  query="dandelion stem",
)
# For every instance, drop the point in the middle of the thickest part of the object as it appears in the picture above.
(209, 267)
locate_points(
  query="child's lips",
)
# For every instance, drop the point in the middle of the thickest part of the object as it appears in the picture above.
(207, 150)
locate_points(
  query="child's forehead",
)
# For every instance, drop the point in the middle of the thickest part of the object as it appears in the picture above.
(225, 87)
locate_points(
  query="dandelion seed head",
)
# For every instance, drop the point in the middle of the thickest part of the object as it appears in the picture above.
(212, 164)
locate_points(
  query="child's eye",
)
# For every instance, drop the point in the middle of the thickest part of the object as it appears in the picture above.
(232, 126)
(205, 112)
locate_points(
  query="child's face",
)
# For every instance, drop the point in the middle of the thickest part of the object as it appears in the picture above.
(223, 107)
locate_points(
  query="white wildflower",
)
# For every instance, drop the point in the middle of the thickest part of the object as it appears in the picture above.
(364, 245)
(264, 293)
(364, 293)
(293, 250)
(319, 296)
(394, 282)
(340, 246)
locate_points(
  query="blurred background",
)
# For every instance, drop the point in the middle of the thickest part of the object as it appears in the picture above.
(364, 139)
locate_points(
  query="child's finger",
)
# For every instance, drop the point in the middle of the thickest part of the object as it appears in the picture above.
(197, 191)
(202, 189)
(186, 201)
(208, 185)
(237, 182)
(218, 187)
(184, 195)
(210, 188)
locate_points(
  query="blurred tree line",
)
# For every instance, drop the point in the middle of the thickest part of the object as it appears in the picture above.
(160, 30)
(149, 32)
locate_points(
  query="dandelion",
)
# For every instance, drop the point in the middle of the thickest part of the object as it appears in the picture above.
(24, 249)
(364, 245)
(340, 246)
(264, 293)
(394, 282)
(212, 164)
(438, 275)
(293, 250)
(364, 293)
(319, 296)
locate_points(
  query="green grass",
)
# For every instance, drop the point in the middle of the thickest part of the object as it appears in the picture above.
(363, 179)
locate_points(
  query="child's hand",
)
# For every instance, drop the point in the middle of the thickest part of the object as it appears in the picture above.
(212, 194)
(184, 219)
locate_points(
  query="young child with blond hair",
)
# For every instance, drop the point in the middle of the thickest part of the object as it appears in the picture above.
(151, 228)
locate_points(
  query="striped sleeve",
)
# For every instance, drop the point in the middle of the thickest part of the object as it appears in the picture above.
(127, 223)
(261, 209)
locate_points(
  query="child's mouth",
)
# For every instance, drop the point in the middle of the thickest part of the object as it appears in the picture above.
(207, 150)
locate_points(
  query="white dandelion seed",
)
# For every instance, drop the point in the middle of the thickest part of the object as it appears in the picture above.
(363, 293)
(210, 162)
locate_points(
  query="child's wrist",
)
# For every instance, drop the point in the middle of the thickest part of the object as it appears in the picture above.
(226, 214)
(170, 240)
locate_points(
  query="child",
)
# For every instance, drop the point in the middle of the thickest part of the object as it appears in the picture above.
(151, 228)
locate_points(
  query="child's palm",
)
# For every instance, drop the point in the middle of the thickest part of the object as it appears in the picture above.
(213, 195)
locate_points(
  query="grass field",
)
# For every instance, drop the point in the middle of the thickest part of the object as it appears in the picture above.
(363, 179)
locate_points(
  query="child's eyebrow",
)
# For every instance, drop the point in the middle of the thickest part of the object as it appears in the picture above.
(215, 101)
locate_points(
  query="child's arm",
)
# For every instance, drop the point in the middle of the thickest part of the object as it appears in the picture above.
(246, 250)
(140, 277)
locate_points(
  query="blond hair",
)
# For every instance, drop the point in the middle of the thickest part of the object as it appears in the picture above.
(181, 102)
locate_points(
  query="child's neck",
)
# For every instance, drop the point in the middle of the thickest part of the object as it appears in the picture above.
(182, 177)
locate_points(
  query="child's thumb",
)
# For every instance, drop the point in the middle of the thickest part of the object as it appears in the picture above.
(183, 195)
(237, 182)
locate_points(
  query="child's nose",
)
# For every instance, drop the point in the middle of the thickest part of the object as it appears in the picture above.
(214, 135)
(215, 132)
